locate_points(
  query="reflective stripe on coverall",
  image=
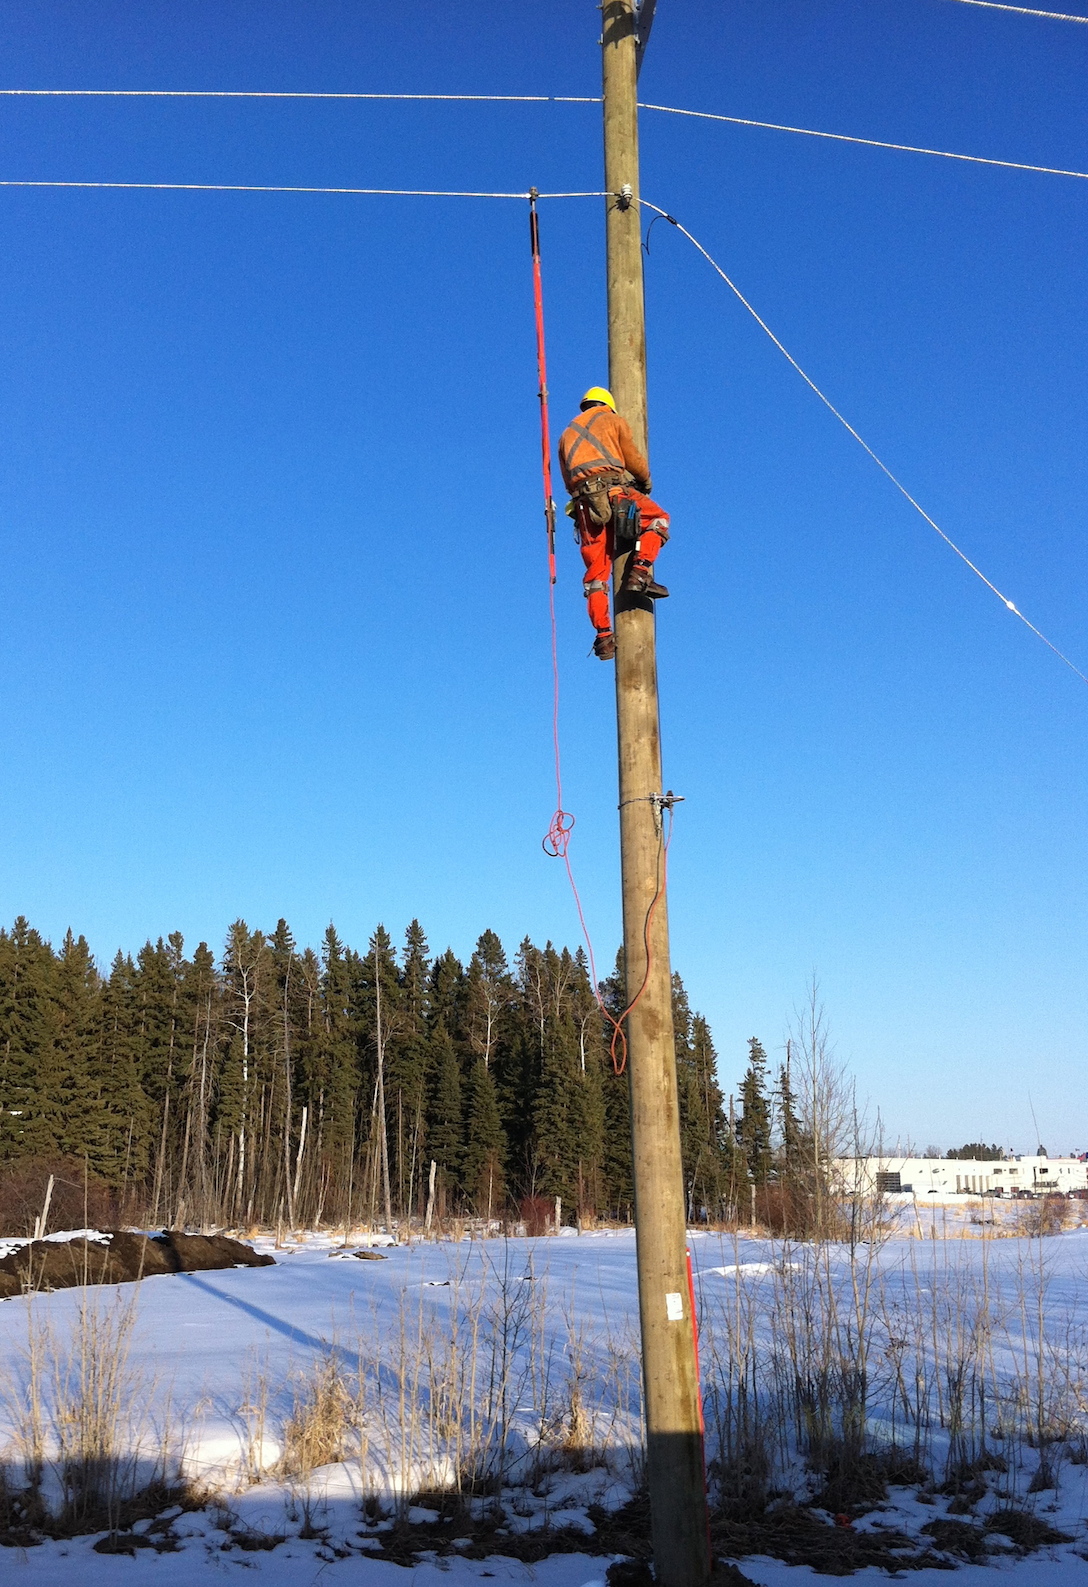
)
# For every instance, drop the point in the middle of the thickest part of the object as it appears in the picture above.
(599, 441)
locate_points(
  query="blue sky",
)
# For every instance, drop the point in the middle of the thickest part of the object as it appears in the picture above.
(273, 611)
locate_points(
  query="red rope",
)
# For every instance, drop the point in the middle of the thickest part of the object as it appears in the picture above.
(556, 841)
(698, 1387)
(542, 372)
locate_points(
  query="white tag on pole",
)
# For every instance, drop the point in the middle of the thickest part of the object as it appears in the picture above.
(674, 1307)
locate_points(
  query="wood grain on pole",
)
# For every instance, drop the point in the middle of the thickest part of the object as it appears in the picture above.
(674, 1436)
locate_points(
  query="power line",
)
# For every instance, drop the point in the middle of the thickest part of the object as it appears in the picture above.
(249, 187)
(390, 192)
(900, 487)
(871, 143)
(254, 93)
(1024, 11)
(549, 99)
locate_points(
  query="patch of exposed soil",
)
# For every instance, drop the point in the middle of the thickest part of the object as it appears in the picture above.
(795, 1535)
(458, 1530)
(961, 1539)
(120, 1258)
(25, 1522)
(856, 1483)
(1027, 1531)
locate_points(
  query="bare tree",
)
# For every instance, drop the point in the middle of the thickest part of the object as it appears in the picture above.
(831, 1127)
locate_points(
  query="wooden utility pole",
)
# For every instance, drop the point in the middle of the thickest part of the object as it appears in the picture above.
(673, 1421)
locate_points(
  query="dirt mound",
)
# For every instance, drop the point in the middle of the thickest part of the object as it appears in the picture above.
(201, 1253)
(120, 1258)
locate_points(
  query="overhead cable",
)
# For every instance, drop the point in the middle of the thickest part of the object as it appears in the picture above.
(871, 143)
(900, 487)
(1024, 11)
(545, 99)
(252, 93)
(252, 187)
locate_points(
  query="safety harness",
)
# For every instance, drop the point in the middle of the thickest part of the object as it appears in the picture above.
(601, 454)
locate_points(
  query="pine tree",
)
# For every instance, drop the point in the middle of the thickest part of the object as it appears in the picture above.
(588, 1103)
(82, 1113)
(694, 1127)
(333, 1077)
(117, 1073)
(711, 1169)
(754, 1127)
(201, 1006)
(286, 988)
(514, 1072)
(445, 1127)
(616, 1157)
(803, 1198)
(29, 1088)
(790, 1153)
(406, 1070)
(482, 1165)
(446, 992)
(489, 992)
(249, 1004)
(555, 1146)
(534, 993)
(247, 1089)
(157, 1032)
(379, 1011)
(415, 974)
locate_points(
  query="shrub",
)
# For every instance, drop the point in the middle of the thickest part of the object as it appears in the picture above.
(78, 1200)
(537, 1214)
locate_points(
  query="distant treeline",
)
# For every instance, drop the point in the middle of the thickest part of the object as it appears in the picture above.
(277, 1083)
(978, 1152)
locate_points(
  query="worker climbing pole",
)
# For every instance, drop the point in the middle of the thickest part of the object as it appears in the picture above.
(674, 1452)
(602, 467)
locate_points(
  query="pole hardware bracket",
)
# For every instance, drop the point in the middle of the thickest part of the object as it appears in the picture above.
(660, 803)
(625, 196)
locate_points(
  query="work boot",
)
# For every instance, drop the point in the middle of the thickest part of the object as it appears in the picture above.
(639, 580)
(604, 646)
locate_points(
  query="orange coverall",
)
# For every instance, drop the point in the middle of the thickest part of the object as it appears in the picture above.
(597, 451)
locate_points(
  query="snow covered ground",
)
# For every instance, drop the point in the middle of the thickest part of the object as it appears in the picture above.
(213, 1367)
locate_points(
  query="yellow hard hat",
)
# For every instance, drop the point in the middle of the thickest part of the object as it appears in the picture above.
(599, 394)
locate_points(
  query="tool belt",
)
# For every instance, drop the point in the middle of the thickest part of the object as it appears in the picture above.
(592, 492)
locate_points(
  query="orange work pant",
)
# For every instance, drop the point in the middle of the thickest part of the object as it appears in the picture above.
(597, 542)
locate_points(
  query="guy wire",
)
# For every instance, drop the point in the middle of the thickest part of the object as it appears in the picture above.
(1024, 11)
(900, 487)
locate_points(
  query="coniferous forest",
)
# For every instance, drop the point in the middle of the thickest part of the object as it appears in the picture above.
(279, 1085)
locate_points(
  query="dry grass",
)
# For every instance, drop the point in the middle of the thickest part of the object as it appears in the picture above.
(324, 1422)
(843, 1369)
(1046, 1215)
(86, 1446)
(461, 1391)
(846, 1368)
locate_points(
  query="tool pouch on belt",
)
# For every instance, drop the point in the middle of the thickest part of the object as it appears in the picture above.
(596, 504)
(592, 494)
(626, 521)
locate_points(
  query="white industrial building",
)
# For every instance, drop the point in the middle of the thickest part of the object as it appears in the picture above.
(950, 1176)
